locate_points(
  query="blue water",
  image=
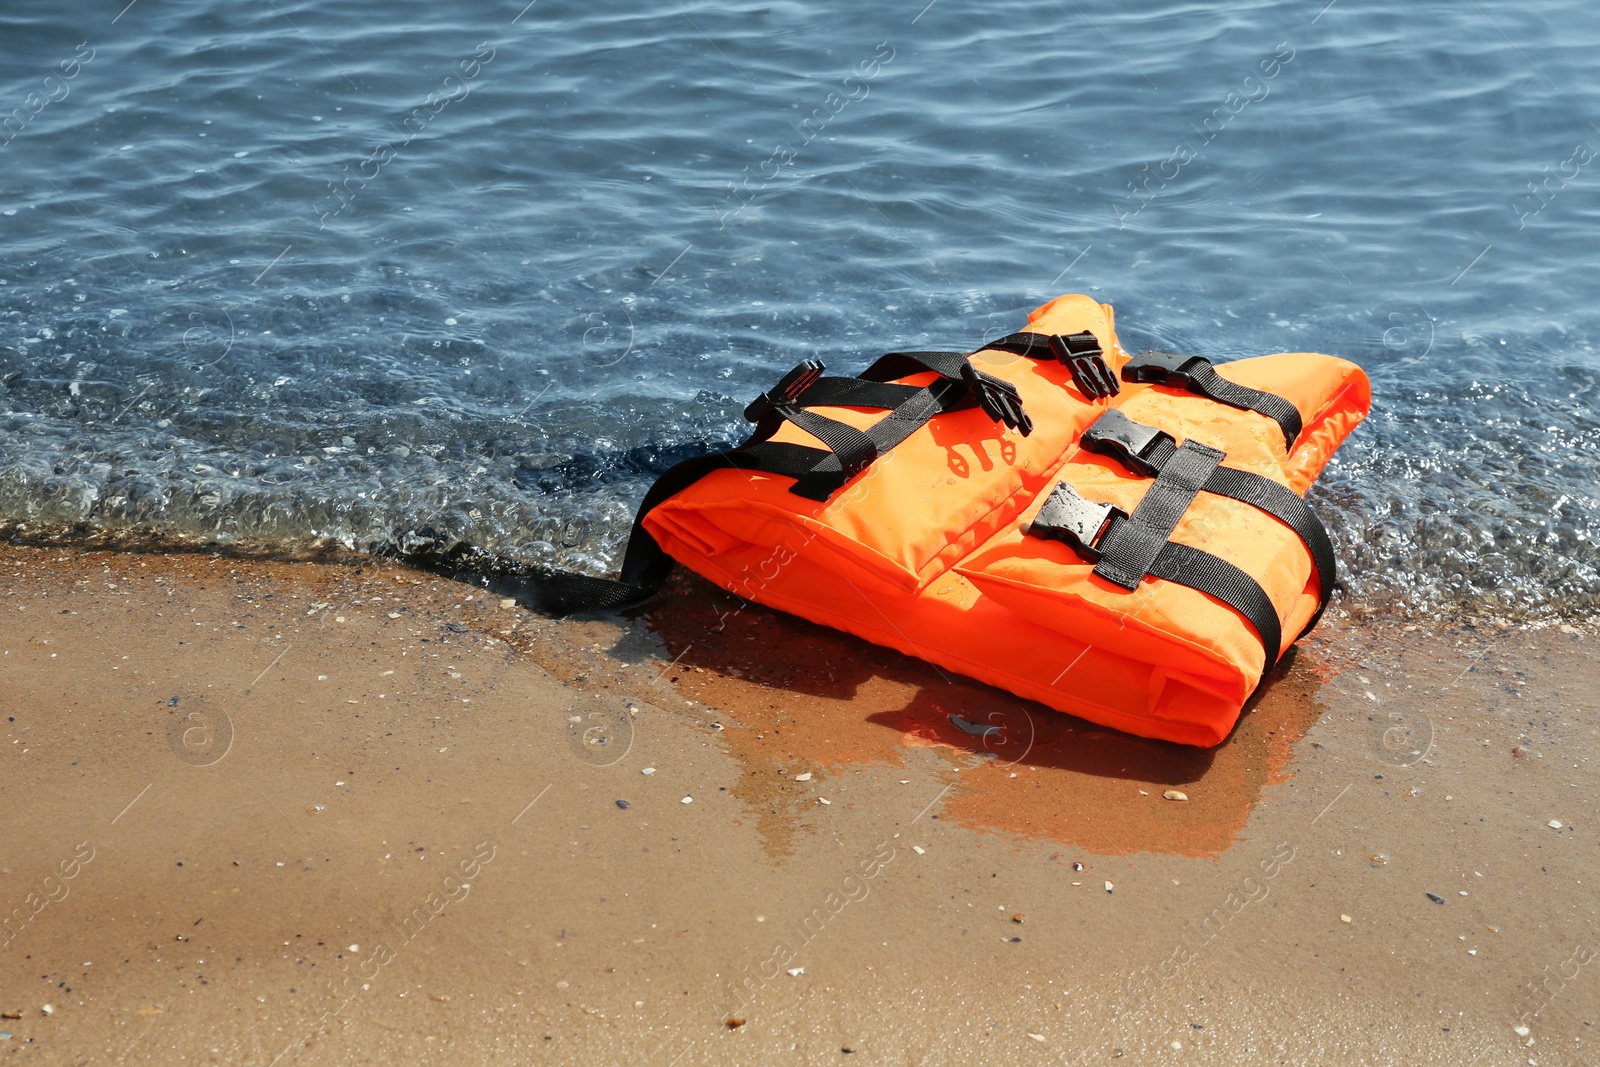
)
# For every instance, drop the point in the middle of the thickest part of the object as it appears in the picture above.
(278, 270)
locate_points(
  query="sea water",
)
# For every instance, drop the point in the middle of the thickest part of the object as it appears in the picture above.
(281, 271)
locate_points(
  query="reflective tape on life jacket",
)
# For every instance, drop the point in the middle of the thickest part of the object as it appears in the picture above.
(1120, 538)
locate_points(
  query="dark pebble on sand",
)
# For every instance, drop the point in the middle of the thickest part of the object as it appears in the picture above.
(624, 804)
(1436, 898)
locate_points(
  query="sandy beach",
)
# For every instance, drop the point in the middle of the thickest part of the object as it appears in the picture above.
(329, 812)
(1085, 347)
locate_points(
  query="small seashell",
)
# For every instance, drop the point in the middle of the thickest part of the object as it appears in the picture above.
(1173, 794)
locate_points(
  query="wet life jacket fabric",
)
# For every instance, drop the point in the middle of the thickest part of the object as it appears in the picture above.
(1118, 537)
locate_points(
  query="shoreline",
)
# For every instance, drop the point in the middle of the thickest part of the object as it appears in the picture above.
(280, 767)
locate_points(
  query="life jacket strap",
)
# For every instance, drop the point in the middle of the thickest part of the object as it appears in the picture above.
(1216, 577)
(818, 473)
(849, 450)
(1147, 450)
(645, 564)
(1093, 529)
(998, 398)
(1080, 352)
(1131, 547)
(1195, 374)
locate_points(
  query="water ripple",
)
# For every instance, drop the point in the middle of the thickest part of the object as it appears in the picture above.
(290, 271)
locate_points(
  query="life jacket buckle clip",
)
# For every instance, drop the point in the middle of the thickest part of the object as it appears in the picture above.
(1080, 523)
(1128, 442)
(1083, 356)
(998, 398)
(786, 392)
(1153, 367)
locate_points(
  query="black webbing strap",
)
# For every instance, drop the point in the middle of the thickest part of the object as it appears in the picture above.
(1281, 503)
(855, 393)
(855, 449)
(1129, 548)
(1092, 528)
(1215, 576)
(646, 564)
(998, 398)
(1032, 345)
(1146, 450)
(850, 450)
(1080, 352)
(1195, 374)
(899, 364)
(817, 472)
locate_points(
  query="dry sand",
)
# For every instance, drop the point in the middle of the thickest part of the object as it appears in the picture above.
(264, 812)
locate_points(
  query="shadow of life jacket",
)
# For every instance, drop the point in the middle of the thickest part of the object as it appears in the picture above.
(1122, 538)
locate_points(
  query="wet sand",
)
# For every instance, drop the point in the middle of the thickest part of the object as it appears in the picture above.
(296, 813)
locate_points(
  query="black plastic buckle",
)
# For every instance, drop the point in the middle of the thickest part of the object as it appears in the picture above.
(999, 399)
(1081, 523)
(1129, 443)
(1162, 368)
(1082, 354)
(786, 392)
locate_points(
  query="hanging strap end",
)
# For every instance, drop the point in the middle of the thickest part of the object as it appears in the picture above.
(786, 392)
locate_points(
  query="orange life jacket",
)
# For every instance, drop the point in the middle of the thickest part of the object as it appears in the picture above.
(1122, 538)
